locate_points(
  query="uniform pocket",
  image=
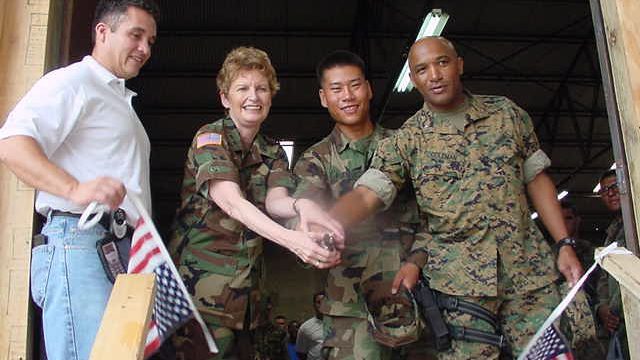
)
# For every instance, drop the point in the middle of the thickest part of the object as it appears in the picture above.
(41, 260)
(440, 180)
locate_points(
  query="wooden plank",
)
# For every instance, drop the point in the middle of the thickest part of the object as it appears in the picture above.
(123, 330)
(624, 268)
(23, 25)
(632, 321)
(623, 41)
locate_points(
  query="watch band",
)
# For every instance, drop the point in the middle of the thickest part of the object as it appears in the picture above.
(567, 241)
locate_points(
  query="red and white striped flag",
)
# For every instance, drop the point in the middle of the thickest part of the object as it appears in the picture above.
(172, 305)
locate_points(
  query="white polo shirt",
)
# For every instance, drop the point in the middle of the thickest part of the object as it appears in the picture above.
(310, 338)
(82, 117)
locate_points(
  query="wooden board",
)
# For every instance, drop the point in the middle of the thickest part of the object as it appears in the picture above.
(23, 29)
(632, 321)
(624, 268)
(123, 329)
(622, 30)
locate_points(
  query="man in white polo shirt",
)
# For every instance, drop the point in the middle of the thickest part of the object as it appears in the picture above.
(76, 138)
(311, 335)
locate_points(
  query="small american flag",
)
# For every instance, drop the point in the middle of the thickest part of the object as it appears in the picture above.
(172, 306)
(551, 345)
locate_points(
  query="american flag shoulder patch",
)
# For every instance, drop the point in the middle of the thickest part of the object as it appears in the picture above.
(208, 139)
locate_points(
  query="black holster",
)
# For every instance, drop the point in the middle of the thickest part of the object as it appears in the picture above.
(432, 302)
(432, 316)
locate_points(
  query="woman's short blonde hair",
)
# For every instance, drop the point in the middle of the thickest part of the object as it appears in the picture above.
(246, 58)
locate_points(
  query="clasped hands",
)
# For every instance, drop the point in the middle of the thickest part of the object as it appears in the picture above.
(326, 232)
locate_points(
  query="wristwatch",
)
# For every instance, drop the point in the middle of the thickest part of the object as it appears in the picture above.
(564, 241)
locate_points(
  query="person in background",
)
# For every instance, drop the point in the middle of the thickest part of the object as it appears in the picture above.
(233, 175)
(292, 335)
(271, 340)
(584, 248)
(609, 307)
(281, 322)
(76, 138)
(311, 335)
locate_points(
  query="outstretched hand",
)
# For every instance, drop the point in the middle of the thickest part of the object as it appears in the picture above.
(314, 220)
(311, 252)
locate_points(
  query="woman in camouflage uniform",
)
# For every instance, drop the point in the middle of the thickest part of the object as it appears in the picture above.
(233, 175)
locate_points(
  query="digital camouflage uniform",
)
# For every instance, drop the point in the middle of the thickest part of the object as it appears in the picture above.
(577, 323)
(326, 171)
(219, 258)
(469, 169)
(608, 287)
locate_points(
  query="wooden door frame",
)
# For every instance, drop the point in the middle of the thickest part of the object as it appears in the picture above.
(618, 42)
(34, 38)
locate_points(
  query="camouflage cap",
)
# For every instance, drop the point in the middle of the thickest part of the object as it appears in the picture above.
(394, 320)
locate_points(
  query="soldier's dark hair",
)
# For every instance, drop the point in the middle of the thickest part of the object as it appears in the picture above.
(111, 12)
(606, 174)
(339, 58)
(566, 204)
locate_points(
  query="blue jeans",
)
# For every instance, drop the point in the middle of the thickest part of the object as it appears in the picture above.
(69, 284)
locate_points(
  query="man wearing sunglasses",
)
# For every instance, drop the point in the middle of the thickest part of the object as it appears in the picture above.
(609, 307)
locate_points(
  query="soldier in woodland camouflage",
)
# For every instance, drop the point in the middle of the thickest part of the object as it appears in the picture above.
(472, 160)
(233, 174)
(328, 170)
(270, 340)
(609, 307)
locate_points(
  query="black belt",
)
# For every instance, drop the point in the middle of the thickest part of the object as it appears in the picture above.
(40, 239)
(64, 213)
(105, 221)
